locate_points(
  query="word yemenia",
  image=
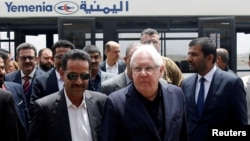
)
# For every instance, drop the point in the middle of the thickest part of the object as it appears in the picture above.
(29, 8)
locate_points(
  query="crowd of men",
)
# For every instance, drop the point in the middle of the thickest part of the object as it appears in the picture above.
(68, 94)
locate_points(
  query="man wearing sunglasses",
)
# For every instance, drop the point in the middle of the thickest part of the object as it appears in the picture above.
(73, 113)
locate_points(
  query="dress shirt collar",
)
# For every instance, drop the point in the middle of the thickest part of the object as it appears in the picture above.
(109, 67)
(58, 75)
(70, 104)
(128, 80)
(209, 75)
(31, 74)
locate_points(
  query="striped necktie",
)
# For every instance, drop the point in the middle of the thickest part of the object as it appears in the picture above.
(26, 84)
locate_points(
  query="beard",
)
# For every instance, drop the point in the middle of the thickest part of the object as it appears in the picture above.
(46, 67)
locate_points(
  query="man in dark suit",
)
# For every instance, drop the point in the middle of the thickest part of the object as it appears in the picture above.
(9, 121)
(112, 64)
(222, 101)
(73, 113)
(123, 79)
(26, 57)
(147, 109)
(51, 82)
(97, 76)
(19, 98)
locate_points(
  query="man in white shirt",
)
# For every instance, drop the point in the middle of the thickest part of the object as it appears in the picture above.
(112, 64)
(74, 113)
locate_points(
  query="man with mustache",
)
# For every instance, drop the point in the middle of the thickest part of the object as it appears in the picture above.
(27, 57)
(73, 113)
(96, 74)
(45, 60)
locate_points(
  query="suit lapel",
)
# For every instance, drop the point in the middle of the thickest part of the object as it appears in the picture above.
(119, 67)
(52, 87)
(215, 83)
(92, 114)
(167, 96)
(123, 82)
(62, 111)
(18, 78)
(104, 66)
(190, 93)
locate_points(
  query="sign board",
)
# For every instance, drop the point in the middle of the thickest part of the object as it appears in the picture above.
(118, 8)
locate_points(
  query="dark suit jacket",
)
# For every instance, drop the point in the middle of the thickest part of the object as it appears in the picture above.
(125, 117)
(8, 117)
(224, 106)
(16, 77)
(113, 84)
(21, 104)
(121, 66)
(51, 122)
(43, 85)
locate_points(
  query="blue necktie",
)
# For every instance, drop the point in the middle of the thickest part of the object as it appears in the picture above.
(200, 100)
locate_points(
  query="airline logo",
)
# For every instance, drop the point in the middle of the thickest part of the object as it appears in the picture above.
(66, 7)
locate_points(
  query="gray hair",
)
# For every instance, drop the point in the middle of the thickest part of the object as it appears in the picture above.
(149, 49)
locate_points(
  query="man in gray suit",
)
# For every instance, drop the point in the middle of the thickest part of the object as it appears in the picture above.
(147, 109)
(73, 113)
(97, 76)
(124, 78)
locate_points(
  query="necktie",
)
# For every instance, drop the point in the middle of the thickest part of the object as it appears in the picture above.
(26, 84)
(200, 100)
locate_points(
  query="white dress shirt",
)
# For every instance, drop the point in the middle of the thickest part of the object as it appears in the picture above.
(79, 121)
(60, 82)
(112, 69)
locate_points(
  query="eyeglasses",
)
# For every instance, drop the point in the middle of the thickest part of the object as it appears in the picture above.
(58, 57)
(95, 57)
(146, 69)
(151, 42)
(24, 58)
(74, 76)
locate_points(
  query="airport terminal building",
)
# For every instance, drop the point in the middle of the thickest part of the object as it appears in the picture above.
(86, 22)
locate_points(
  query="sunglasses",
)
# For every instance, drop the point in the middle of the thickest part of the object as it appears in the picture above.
(74, 76)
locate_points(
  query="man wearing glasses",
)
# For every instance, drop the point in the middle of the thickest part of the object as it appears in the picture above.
(27, 58)
(147, 109)
(74, 113)
(51, 81)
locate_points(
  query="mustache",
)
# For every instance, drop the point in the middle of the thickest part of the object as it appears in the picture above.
(78, 86)
(27, 64)
(93, 63)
